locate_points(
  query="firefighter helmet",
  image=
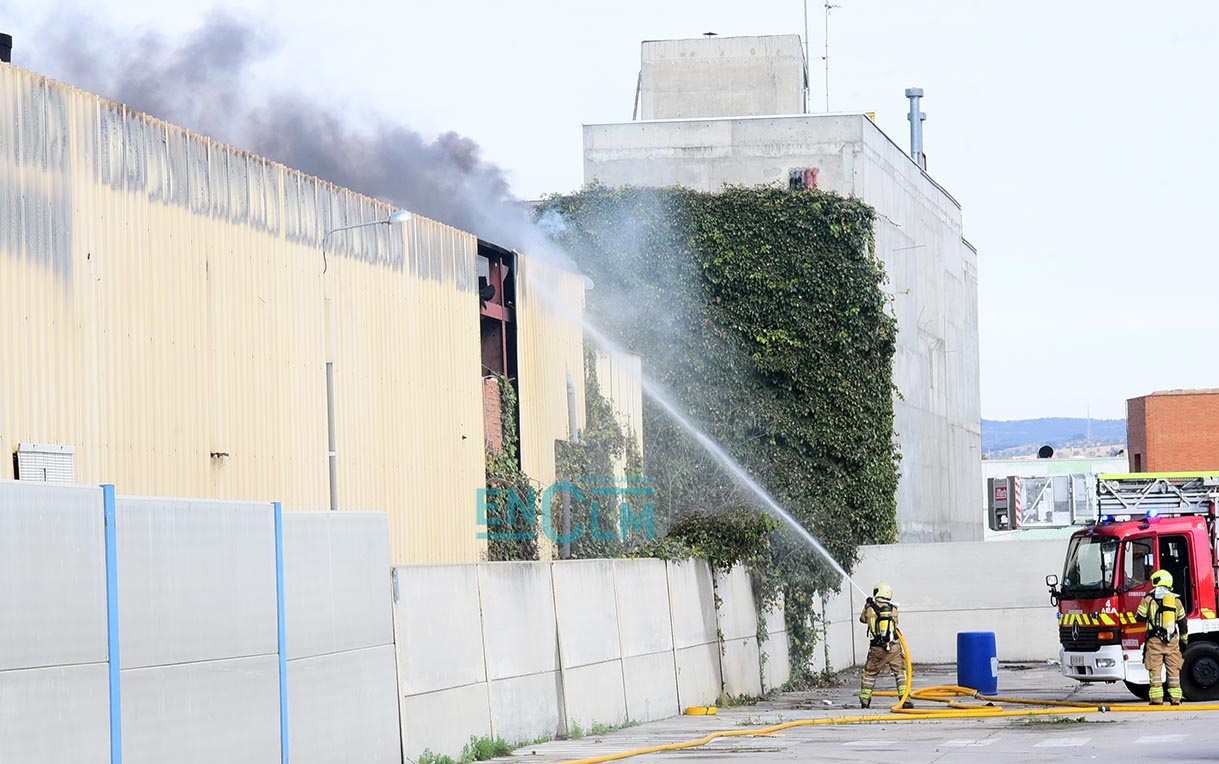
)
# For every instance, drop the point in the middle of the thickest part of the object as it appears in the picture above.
(1161, 578)
(883, 591)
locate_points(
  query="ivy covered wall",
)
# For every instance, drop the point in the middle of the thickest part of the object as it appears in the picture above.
(761, 311)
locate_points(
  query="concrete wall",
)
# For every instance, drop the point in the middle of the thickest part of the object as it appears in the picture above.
(198, 625)
(54, 705)
(523, 650)
(721, 77)
(932, 272)
(737, 616)
(696, 646)
(342, 666)
(945, 588)
(197, 621)
(775, 655)
(645, 627)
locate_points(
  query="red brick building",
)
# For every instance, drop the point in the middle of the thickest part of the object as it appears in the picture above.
(1173, 431)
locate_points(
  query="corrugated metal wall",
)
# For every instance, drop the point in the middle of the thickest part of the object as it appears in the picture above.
(162, 298)
(550, 343)
(618, 375)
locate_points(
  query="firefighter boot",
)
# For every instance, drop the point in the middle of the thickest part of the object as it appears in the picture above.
(1174, 696)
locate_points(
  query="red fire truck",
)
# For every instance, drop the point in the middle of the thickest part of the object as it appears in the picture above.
(1146, 522)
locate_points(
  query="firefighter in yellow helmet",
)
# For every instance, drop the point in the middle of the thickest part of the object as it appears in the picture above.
(884, 651)
(1166, 635)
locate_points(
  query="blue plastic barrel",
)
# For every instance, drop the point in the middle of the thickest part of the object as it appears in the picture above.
(977, 661)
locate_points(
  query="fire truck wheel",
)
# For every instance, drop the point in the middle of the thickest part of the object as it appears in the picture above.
(1200, 674)
(1140, 691)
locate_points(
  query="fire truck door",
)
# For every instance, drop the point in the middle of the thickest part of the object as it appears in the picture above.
(1174, 557)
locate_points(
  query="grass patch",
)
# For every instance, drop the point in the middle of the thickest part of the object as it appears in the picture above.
(1062, 720)
(575, 731)
(478, 749)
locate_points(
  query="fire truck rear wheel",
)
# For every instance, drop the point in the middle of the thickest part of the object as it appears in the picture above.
(1140, 691)
(1200, 674)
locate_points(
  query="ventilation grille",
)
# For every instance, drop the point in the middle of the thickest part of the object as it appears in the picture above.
(46, 463)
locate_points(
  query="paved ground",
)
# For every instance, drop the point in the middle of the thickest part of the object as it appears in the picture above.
(1177, 737)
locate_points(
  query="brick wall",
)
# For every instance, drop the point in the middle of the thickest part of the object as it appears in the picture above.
(1136, 433)
(493, 416)
(1174, 432)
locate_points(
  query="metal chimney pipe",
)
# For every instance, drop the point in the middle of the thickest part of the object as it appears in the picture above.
(6, 47)
(916, 118)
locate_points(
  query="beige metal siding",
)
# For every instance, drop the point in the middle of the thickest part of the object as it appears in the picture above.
(162, 298)
(550, 343)
(619, 377)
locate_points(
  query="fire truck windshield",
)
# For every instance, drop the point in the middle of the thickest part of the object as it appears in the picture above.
(1088, 572)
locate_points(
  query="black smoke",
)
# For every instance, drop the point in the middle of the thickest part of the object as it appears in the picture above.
(196, 81)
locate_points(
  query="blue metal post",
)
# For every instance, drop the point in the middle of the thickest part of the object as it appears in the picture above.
(112, 627)
(283, 630)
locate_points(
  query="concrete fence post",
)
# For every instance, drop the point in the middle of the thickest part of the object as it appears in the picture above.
(112, 627)
(282, 630)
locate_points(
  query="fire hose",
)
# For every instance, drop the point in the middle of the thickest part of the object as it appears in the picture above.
(946, 694)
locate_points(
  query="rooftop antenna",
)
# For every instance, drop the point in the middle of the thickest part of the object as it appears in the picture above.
(826, 58)
(806, 66)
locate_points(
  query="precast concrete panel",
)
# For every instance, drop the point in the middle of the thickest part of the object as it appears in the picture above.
(196, 580)
(58, 715)
(336, 582)
(594, 694)
(440, 628)
(692, 603)
(526, 707)
(741, 665)
(776, 665)
(699, 680)
(650, 683)
(644, 617)
(518, 619)
(52, 575)
(840, 617)
(444, 721)
(202, 713)
(343, 707)
(586, 612)
(776, 668)
(737, 615)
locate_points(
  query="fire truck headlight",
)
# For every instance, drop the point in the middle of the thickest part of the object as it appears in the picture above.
(1105, 663)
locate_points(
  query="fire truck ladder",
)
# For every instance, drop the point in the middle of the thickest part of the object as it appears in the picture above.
(1157, 494)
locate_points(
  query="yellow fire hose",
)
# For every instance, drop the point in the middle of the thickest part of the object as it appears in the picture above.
(938, 694)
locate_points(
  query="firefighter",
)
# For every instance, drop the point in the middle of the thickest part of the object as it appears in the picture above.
(1164, 615)
(884, 651)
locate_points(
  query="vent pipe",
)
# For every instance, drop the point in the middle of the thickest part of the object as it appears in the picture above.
(916, 118)
(6, 47)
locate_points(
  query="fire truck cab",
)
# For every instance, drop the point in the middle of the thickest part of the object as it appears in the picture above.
(1146, 522)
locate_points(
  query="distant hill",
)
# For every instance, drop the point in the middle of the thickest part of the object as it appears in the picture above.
(1027, 435)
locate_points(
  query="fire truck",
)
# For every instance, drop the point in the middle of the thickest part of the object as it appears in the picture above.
(1145, 522)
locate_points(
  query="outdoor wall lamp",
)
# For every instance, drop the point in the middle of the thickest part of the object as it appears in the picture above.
(396, 218)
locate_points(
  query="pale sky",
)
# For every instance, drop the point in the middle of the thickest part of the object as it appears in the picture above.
(1078, 136)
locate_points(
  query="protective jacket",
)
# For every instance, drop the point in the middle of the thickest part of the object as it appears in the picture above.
(1164, 614)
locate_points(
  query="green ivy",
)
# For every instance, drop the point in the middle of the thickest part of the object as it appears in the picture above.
(589, 466)
(762, 312)
(512, 505)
